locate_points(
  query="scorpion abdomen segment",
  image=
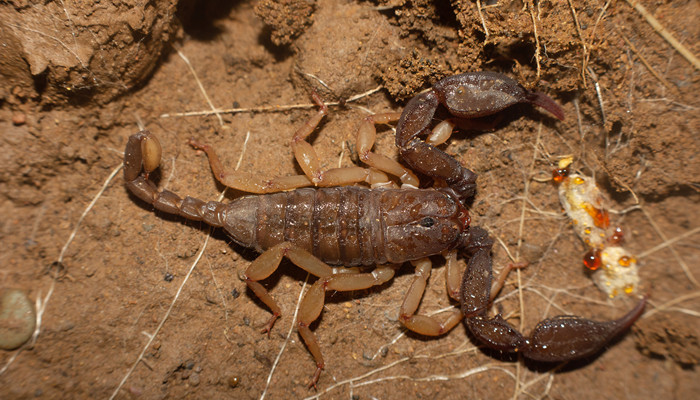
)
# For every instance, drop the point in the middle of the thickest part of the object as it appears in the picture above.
(351, 226)
(337, 224)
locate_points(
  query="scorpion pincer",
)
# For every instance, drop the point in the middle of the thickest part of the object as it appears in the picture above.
(356, 226)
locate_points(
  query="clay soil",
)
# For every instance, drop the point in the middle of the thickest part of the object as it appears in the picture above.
(121, 314)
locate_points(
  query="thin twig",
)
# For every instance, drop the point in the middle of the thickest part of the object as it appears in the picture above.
(667, 243)
(682, 263)
(665, 34)
(645, 62)
(41, 304)
(268, 108)
(537, 40)
(597, 21)
(599, 94)
(286, 339)
(481, 15)
(201, 87)
(668, 304)
(584, 63)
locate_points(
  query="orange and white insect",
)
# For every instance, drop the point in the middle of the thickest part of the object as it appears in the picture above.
(614, 269)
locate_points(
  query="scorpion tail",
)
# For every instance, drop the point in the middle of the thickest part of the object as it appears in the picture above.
(141, 157)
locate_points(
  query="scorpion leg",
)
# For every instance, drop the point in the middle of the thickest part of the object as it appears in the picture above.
(312, 303)
(453, 275)
(330, 279)
(303, 151)
(366, 136)
(248, 182)
(306, 157)
(430, 326)
(269, 261)
(423, 324)
(556, 339)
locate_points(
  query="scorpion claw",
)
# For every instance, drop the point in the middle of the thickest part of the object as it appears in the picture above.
(497, 334)
(465, 97)
(543, 101)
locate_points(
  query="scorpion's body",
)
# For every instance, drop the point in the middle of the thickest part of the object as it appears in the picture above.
(358, 226)
(349, 225)
(344, 225)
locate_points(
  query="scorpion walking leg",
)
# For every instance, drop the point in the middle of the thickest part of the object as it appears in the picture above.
(303, 151)
(430, 326)
(249, 182)
(453, 275)
(366, 136)
(267, 263)
(423, 324)
(306, 157)
(312, 304)
(556, 339)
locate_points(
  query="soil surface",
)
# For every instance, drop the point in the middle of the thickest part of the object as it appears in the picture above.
(133, 303)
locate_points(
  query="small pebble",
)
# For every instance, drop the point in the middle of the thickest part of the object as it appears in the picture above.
(17, 318)
(233, 381)
(19, 118)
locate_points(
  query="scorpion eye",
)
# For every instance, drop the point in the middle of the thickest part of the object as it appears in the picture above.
(427, 222)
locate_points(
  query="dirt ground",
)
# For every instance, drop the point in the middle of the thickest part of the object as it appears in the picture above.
(134, 303)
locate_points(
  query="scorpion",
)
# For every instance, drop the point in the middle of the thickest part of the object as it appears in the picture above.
(320, 219)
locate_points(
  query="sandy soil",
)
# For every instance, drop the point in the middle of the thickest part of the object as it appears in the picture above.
(108, 274)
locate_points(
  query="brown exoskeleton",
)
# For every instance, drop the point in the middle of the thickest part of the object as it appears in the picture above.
(386, 226)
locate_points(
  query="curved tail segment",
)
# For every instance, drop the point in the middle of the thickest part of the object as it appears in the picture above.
(141, 157)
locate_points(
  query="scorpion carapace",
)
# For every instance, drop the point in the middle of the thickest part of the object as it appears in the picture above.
(358, 226)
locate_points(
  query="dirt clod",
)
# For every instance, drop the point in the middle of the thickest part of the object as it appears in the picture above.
(668, 337)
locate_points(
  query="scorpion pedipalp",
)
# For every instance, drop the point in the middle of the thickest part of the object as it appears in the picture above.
(465, 96)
